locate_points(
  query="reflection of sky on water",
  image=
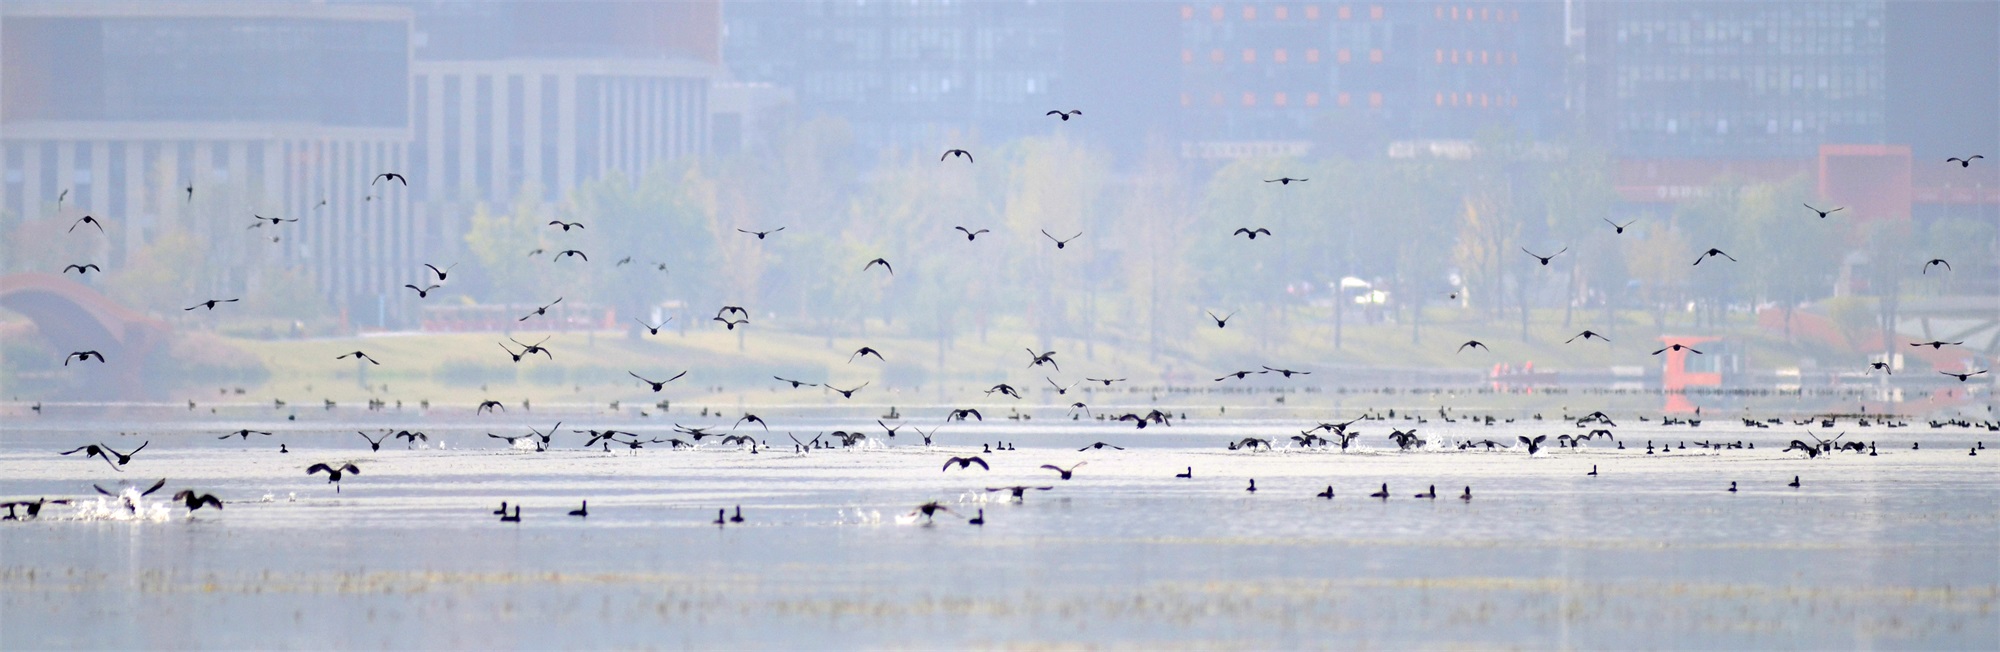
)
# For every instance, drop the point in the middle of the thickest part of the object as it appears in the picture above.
(1894, 550)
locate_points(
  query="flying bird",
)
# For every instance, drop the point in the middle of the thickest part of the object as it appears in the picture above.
(1677, 347)
(1066, 472)
(796, 383)
(970, 235)
(1061, 243)
(1964, 162)
(957, 152)
(1711, 253)
(542, 310)
(441, 273)
(423, 292)
(1936, 344)
(1251, 233)
(1288, 373)
(1107, 381)
(1473, 344)
(1963, 377)
(82, 356)
(652, 329)
(865, 351)
(571, 252)
(883, 263)
(358, 356)
(1936, 261)
(760, 234)
(1239, 375)
(333, 473)
(846, 393)
(95, 450)
(1284, 181)
(84, 269)
(392, 177)
(1587, 335)
(260, 220)
(1619, 227)
(1220, 322)
(1093, 446)
(1043, 358)
(961, 414)
(965, 463)
(209, 304)
(565, 225)
(1544, 259)
(659, 384)
(194, 502)
(87, 220)
(487, 405)
(1004, 389)
(1065, 115)
(1823, 214)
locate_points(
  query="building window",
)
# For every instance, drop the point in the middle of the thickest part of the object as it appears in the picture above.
(1440, 55)
(1215, 13)
(1342, 99)
(1345, 12)
(1279, 56)
(1249, 99)
(1215, 55)
(1375, 99)
(1278, 12)
(1215, 99)
(1312, 12)
(1375, 12)
(1249, 12)
(1342, 56)
(1278, 99)
(1249, 55)
(1312, 99)
(1187, 12)
(1440, 100)
(1375, 56)
(1312, 55)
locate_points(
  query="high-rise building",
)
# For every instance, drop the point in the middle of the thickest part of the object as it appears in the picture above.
(279, 109)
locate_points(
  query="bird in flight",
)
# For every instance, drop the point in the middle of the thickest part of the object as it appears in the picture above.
(1587, 335)
(883, 263)
(65, 194)
(423, 292)
(1677, 347)
(1107, 381)
(1239, 375)
(190, 191)
(259, 221)
(1823, 214)
(796, 383)
(96, 450)
(392, 177)
(1936, 344)
(956, 152)
(659, 384)
(1060, 389)
(1284, 181)
(571, 252)
(652, 329)
(1220, 322)
(531, 349)
(358, 356)
(1473, 344)
(731, 323)
(1936, 261)
(1065, 115)
(1619, 227)
(961, 414)
(846, 393)
(1882, 366)
(333, 473)
(1072, 469)
(194, 502)
(82, 356)
(1005, 389)
(1043, 358)
(864, 351)
(1288, 373)
(965, 463)
(970, 235)
(1544, 259)
(1711, 253)
(1252, 233)
(760, 234)
(84, 269)
(1061, 243)
(542, 310)
(1964, 162)
(441, 273)
(1963, 377)
(209, 304)
(87, 220)
(565, 225)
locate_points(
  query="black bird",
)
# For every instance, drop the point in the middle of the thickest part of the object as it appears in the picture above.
(796, 383)
(1383, 494)
(34, 507)
(1249, 443)
(865, 351)
(1619, 227)
(583, 511)
(190, 192)
(209, 304)
(1220, 322)
(1472, 343)
(1107, 381)
(1253, 486)
(1239, 375)
(504, 518)
(1288, 373)
(1432, 493)
(1964, 162)
(1284, 181)
(571, 252)
(1593, 471)
(148, 492)
(1189, 473)
(652, 329)
(1534, 445)
(82, 221)
(411, 437)
(1963, 377)
(194, 502)
(846, 393)
(1936, 344)
(970, 235)
(727, 310)
(566, 226)
(756, 419)
(1017, 492)
(731, 323)
(1711, 253)
(542, 310)
(738, 516)
(1005, 389)
(1328, 494)
(95, 450)
(1544, 259)
(531, 349)
(1935, 261)
(960, 415)
(658, 385)
(441, 273)
(1795, 482)
(510, 352)
(1065, 115)
(84, 269)
(1677, 347)
(1043, 358)
(376, 444)
(1732, 486)
(1882, 366)
(956, 152)
(259, 221)
(491, 405)
(1060, 390)
(333, 474)
(1823, 214)
(392, 177)
(244, 434)
(423, 292)
(358, 356)
(1467, 496)
(82, 356)
(965, 463)
(1587, 335)
(977, 520)
(1072, 469)
(503, 509)
(1061, 243)
(760, 234)
(1252, 233)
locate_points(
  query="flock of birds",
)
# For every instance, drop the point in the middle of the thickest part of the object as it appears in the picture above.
(131, 500)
